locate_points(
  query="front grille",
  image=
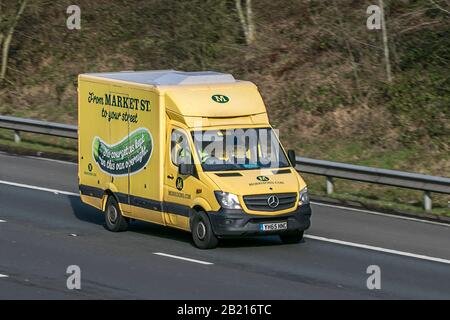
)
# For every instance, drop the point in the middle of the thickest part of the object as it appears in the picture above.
(260, 202)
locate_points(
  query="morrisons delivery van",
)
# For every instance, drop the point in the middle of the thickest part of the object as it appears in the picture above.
(188, 150)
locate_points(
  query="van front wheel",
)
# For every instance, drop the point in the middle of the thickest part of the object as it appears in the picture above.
(202, 233)
(115, 222)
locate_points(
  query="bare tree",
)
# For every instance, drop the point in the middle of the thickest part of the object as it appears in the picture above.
(385, 43)
(246, 19)
(9, 17)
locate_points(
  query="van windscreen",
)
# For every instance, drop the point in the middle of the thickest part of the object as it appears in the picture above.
(239, 149)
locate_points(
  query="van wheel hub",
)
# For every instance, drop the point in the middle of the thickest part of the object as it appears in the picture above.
(201, 230)
(112, 214)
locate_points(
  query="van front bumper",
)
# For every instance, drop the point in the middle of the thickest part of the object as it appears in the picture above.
(237, 223)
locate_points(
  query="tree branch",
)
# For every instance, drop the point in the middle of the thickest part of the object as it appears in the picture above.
(439, 7)
(246, 20)
(250, 23)
(8, 37)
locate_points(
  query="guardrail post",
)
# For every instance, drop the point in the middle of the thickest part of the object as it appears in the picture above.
(330, 185)
(427, 203)
(17, 138)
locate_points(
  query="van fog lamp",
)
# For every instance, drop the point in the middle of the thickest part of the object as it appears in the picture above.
(227, 200)
(303, 196)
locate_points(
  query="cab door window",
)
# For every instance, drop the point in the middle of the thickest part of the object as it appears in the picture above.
(180, 152)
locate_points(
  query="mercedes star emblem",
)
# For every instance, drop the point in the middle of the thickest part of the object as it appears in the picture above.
(273, 201)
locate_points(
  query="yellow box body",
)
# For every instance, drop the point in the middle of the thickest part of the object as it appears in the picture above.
(115, 113)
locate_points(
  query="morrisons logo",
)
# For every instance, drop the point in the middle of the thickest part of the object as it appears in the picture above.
(219, 98)
(179, 184)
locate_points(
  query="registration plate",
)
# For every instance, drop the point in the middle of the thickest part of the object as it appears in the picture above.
(273, 226)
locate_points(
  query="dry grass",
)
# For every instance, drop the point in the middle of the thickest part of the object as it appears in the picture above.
(319, 70)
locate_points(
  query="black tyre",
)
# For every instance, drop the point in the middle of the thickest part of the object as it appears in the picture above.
(202, 232)
(115, 222)
(292, 238)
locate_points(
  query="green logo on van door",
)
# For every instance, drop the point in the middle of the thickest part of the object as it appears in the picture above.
(262, 178)
(179, 183)
(219, 98)
(129, 155)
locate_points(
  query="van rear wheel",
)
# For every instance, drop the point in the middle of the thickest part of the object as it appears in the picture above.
(202, 232)
(115, 222)
(292, 238)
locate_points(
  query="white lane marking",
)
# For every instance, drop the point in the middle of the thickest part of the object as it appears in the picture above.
(21, 185)
(37, 158)
(384, 250)
(51, 160)
(182, 258)
(381, 214)
(3, 276)
(2, 221)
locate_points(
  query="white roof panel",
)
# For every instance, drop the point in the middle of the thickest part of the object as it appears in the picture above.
(168, 77)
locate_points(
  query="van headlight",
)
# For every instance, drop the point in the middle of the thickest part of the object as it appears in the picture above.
(227, 200)
(303, 197)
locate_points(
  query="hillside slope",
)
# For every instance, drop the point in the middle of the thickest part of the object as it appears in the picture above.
(319, 68)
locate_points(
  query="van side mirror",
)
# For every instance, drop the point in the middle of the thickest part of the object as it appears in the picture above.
(186, 169)
(291, 156)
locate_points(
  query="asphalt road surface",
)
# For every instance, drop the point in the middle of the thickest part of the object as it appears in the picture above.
(44, 228)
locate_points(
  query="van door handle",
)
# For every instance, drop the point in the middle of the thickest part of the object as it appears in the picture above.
(170, 176)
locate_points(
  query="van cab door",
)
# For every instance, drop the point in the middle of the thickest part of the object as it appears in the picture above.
(179, 190)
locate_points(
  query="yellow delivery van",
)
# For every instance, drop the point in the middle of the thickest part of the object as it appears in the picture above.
(189, 150)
